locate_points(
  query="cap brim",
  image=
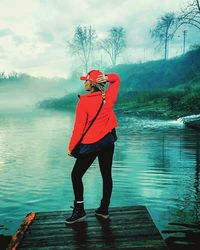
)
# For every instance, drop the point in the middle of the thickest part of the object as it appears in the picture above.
(83, 78)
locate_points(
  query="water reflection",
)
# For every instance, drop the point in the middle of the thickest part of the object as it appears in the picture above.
(80, 234)
(98, 229)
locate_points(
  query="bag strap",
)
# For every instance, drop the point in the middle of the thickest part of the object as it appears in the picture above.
(103, 101)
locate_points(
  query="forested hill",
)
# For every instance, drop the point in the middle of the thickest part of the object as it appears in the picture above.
(167, 87)
(160, 74)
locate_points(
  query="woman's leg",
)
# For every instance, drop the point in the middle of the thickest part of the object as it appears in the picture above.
(80, 167)
(105, 157)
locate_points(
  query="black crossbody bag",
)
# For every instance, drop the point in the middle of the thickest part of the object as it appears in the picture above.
(76, 151)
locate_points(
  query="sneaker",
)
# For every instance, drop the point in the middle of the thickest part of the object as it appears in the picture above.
(78, 214)
(102, 211)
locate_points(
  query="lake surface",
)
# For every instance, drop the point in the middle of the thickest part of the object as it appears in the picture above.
(156, 163)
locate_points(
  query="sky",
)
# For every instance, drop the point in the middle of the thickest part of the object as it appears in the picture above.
(34, 33)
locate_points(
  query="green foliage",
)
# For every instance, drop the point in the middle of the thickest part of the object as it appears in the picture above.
(184, 101)
(67, 102)
(191, 102)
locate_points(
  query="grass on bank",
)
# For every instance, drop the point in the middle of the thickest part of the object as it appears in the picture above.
(178, 101)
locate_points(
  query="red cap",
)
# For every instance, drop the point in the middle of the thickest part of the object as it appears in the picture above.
(92, 75)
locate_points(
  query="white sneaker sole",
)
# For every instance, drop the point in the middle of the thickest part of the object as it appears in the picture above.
(103, 216)
(78, 220)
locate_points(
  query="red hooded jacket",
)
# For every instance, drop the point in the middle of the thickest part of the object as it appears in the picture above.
(86, 110)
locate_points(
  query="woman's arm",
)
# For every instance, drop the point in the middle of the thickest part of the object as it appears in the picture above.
(79, 124)
(113, 88)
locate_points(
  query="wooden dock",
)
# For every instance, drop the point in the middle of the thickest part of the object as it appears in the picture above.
(127, 228)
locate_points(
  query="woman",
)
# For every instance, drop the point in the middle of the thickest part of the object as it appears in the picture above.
(97, 142)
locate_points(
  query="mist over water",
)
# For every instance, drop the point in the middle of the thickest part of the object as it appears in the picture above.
(20, 96)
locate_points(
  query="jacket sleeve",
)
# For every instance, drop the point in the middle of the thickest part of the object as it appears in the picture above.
(113, 89)
(79, 124)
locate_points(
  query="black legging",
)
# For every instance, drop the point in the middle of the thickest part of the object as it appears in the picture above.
(82, 163)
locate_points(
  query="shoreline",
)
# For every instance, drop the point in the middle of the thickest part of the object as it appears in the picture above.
(152, 112)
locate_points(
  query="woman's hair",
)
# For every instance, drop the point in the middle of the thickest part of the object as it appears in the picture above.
(98, 87)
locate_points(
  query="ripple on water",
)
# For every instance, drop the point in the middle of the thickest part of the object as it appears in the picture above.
(155, 164)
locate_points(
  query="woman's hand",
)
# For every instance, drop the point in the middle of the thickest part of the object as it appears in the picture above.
(69, 153)
(102, 79)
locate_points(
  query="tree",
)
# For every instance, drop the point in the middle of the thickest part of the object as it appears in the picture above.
(189, 15)
(114, 44)
(2, 75)
(82, 44)
(162, 32)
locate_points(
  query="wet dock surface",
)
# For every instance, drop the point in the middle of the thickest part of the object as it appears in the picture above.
(127, 228)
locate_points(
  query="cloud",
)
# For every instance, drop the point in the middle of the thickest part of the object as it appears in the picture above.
(34, 34)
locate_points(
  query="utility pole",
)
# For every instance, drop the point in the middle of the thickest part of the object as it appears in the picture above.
(184, 39)
(144, 55)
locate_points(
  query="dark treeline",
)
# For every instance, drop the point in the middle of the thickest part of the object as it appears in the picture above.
(17, 77)
(13, 77)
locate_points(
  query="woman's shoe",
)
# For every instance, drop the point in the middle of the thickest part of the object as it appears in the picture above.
(78, 214)
(102, 211)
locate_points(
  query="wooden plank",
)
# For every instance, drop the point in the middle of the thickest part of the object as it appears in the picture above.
(102, 244)
(92, 225)
(91, 215)
(117, 232)
(115, 213)
(91, 218)
(94, 237)
(113, 209)
(122, 246)
(96, 227)
(128, 228)
(40, 218)
(18, 236)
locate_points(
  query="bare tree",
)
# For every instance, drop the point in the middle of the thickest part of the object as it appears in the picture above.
(190, 15)
(162, 32)
(82, 44)
(114, 44)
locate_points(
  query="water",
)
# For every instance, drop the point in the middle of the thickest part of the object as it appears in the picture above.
(156, 163)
